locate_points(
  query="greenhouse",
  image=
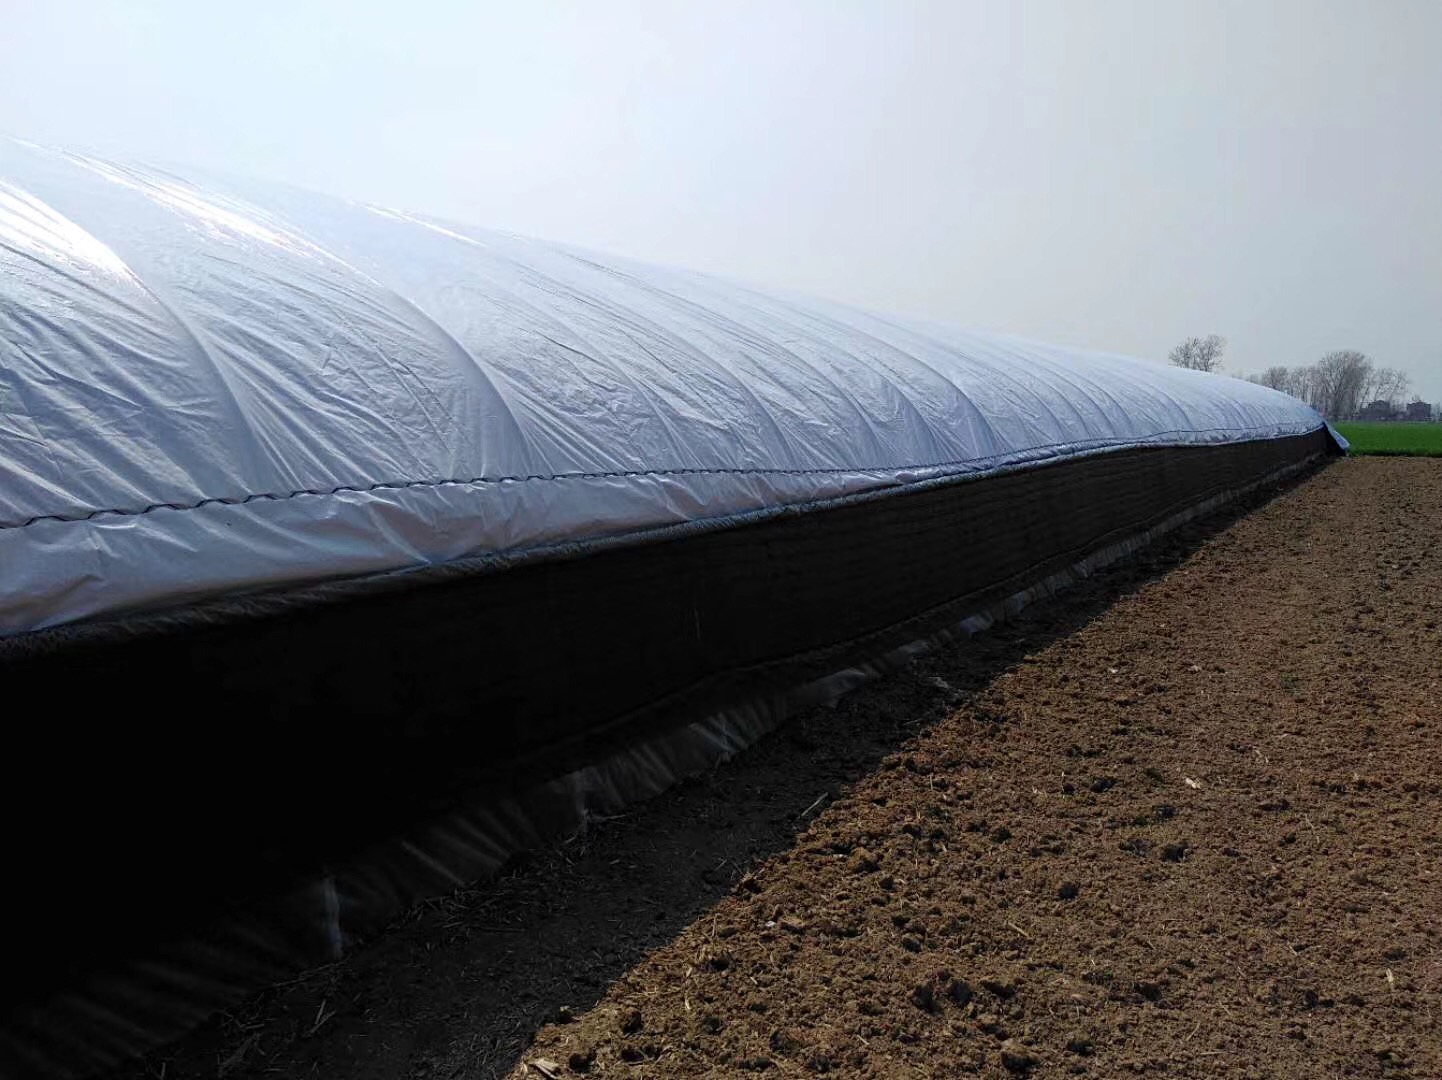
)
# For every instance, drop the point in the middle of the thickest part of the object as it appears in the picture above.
(345, 552)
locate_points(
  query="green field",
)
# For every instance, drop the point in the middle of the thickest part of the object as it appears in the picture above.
(1384, 437)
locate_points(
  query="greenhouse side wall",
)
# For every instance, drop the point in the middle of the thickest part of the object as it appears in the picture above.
(222, 795)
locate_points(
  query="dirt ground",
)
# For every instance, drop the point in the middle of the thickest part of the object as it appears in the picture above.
(1186, 820)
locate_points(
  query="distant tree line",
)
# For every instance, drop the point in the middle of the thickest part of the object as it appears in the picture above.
(1341, 386)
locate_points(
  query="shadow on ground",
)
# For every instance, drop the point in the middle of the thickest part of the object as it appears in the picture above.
(457, 988)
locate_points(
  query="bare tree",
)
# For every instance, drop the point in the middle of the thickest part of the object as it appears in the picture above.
(1297, 381)
(1199, 354)
(1368, 392)
(1389, 385)
(1338, 380)
(1277, 377)
(1302, 384)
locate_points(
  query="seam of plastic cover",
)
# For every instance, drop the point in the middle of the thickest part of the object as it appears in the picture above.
(980, 465)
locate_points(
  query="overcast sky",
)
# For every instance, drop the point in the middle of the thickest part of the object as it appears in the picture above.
(1096, 172)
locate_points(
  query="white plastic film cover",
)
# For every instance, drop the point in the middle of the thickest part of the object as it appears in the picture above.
(210, 387)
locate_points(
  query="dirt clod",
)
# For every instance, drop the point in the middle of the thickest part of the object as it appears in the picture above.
(581, 1060)
(784, 1042)
(959, 990)
(923, 996)
(863, 861)
(1017, 1058)
(632, 1021)
(999, 987)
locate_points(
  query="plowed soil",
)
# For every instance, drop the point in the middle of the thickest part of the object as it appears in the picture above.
(1186, 820)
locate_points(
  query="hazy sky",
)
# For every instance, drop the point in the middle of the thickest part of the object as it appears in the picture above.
(1102, 173)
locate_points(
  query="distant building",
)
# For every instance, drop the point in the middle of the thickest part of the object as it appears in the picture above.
(1376, 410)
(1417, 410)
